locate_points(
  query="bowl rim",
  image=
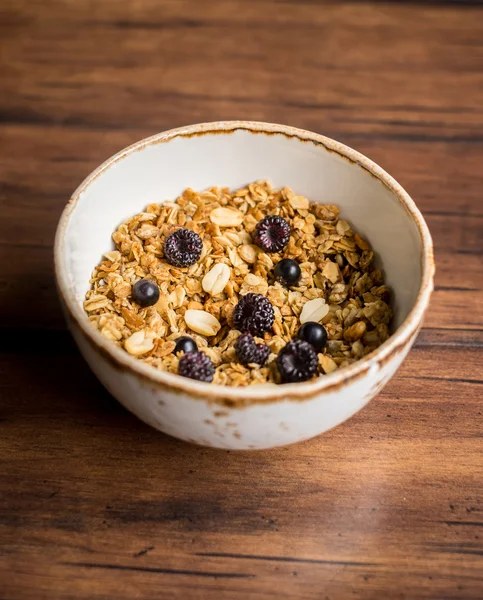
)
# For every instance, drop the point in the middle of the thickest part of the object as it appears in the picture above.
(265, 393)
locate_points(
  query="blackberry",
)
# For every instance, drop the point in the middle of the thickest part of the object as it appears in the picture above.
(145, 292)
(182, 248)
(297, 361)
(253, 314)
(271, 234)
(196, 365)
(249, 352)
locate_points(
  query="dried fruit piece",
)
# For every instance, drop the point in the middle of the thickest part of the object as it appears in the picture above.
(214, 282)
(202, 322)
(314, 310)
(226, 217)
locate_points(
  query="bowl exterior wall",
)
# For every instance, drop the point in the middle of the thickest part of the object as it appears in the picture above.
(255, 426)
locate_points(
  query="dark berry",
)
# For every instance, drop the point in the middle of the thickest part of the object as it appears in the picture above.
(253, 314)
(271, 234)
(182, 248)
(185, 344)
(297, 361)
(314, 334)
(249, 352)
(287, 271)
(145, 292)
(196, 365)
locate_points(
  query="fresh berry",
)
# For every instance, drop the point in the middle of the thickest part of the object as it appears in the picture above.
(253, 314)
(314, 334)
(145, 292)
(182, 248)
(297, 361)
(272, 234)
(249, 352)
(196, 365)
(287, 271)
(185, 344)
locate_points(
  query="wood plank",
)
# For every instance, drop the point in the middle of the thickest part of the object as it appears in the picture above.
(94, 504)
(57, 164)
(64, 522)
(28, 295)
(156, 45)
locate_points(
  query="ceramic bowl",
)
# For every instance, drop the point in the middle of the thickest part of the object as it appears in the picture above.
(233, 154)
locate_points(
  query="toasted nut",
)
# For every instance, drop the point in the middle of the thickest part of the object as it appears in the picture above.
(226, 217)
(314, 310)
(342, 227)
(265, 260)
(223, 241)
(110, 325)
(138, 343)
(202, 322)
(180, 293)
(215, 280)
(147, 231)
(355, 332)
(194, 305)
(161, 305)
(215, 356)
(248, 253)
(339, 293)
(235, 259)
(113, 256)
(331, 271)
(328, 364)
(165, 349)
(362, 244)
(299, 203)
(96, 302)
(177, 296)
(120, 288)
(254, 283)
(133, 320)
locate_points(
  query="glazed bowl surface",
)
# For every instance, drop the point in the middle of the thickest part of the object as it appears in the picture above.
(233, 154)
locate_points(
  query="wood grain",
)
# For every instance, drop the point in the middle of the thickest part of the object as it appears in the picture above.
(94, 504)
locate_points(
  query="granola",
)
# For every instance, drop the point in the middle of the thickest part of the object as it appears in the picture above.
(337, 287)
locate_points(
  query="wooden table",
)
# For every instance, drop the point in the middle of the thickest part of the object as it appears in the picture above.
(96, 505)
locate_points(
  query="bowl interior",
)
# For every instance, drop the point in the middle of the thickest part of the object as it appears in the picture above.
(161, 170)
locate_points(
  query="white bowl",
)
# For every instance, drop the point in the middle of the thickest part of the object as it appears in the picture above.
(233, 154)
